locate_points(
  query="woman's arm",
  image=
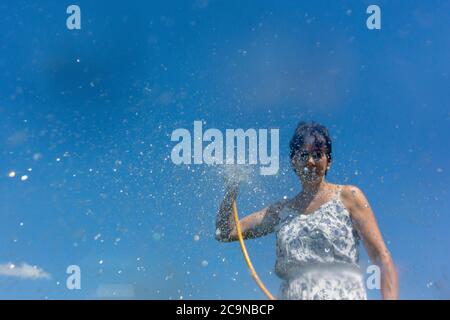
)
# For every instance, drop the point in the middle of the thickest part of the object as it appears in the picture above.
(366, 224)
(255, 225)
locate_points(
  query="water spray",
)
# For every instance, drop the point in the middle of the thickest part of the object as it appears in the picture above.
(239, 175)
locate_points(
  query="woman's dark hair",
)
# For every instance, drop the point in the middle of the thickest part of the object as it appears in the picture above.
(314, 132)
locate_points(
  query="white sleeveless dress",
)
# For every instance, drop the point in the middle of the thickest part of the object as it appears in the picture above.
(318, 253)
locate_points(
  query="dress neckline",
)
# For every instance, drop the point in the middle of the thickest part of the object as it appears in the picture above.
(336, 197)
(318, 208)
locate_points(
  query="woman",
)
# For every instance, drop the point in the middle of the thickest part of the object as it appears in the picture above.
(317, 231)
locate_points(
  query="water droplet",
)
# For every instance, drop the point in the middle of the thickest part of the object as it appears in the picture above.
(37, 156)
(12, 174)
(100, 262)
(196, 237)
(24, 178)
(204, 263)
(156, 236)
(168, 277)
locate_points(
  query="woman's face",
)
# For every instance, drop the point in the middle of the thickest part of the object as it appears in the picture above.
(310, 163)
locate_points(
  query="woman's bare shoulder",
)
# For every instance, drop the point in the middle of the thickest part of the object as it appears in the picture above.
(353, 197)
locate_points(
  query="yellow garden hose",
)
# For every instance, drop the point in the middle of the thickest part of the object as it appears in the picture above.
(246, 257)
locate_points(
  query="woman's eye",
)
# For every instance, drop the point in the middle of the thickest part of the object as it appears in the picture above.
(304, 156)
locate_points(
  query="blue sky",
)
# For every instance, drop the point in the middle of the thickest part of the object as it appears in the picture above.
(91, 111)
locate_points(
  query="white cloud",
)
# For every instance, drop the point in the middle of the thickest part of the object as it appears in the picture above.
(24, 271)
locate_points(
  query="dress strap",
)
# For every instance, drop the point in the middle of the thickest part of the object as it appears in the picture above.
(338, 193)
